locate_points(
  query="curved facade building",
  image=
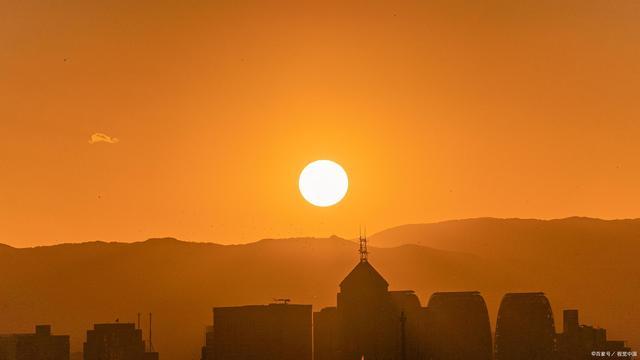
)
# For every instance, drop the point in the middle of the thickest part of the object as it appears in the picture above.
(407, 310)
(525, 329)
(457, 327)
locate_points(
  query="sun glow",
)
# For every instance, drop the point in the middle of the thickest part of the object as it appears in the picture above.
(323, 183)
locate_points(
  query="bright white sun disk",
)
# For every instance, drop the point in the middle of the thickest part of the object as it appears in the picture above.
(323, 183)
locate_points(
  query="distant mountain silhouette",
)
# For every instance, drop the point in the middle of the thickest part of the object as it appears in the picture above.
(73, 286)
(520, 238)
(4, 247)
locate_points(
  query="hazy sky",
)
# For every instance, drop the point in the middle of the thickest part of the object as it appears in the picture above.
(436, 109)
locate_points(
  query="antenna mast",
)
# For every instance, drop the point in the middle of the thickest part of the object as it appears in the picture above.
(150, 341)
(403, 321)
(364, 254)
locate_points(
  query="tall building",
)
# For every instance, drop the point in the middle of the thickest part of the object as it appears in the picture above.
(268, 332)
(366, 320)
(116, 341)
(579, 342)
(40, 345)
(457, 327)
(369, 321)
(525, 329)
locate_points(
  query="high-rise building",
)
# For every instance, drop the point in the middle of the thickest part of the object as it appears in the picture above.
(366, 321)
(116, 341)
(369, 321)
(279, 331)
(525, 329)
(457, 327)
(40, 345)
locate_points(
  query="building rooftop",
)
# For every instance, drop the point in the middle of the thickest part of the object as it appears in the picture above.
(364, 275)
(456, 293)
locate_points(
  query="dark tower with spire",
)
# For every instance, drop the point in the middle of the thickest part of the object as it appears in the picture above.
(369, 322)
(365, 312)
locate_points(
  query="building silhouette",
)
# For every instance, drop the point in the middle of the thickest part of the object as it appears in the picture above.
(366, 322)
(369, 321)
(325, 333)
(207, 349)
(374, 323)
(457, 327)
(525, 329)
(408, 312)
(116, 341)
(579, 342)
(280, 331)
(40, 345)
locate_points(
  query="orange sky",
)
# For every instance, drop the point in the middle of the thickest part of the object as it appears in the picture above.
(436, 109)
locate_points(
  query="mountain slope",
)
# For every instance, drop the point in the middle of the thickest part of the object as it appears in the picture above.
(520, 238)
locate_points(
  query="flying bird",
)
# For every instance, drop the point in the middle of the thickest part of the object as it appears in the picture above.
(99, 137)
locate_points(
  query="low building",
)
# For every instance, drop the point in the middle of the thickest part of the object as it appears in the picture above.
(116, 341)
(207, 349)
(266, 332)
(40, 345)
(581, 342)
(325, 333)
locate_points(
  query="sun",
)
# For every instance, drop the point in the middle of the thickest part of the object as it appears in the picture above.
(323, 183)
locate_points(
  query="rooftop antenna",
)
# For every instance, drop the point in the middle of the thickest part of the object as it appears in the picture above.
(150, 341)
(364, 254)
(403, 322)
(138, 320)
(282, 301)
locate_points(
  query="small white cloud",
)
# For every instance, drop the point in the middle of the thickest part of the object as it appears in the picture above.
(99, 137)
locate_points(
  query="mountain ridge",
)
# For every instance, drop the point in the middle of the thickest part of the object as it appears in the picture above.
(434, 223)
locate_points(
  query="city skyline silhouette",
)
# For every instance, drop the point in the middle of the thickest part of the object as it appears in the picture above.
(304, 270)
(319, 180)
(369, 322)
